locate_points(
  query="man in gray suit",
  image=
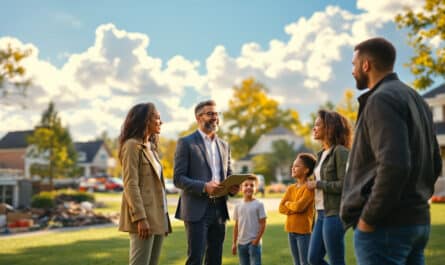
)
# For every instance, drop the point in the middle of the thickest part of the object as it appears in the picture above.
(202, 161)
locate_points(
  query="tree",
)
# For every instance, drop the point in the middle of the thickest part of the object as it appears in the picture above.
(426, 36)
(348, 107)
(52, 143)
(12, 71)
(167, 149)
(252, 113)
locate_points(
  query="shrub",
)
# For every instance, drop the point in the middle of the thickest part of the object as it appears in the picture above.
(44, 200)
(72, 195)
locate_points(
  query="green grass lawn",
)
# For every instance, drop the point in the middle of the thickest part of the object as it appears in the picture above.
(108, 246)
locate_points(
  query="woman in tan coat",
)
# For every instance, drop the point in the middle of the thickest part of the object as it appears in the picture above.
(144, 206)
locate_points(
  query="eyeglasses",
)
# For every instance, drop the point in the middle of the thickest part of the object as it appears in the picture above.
(211, 114)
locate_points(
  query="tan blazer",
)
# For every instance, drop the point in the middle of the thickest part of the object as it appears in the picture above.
(142, 196)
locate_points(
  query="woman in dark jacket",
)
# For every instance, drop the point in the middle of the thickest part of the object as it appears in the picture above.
(334, 133)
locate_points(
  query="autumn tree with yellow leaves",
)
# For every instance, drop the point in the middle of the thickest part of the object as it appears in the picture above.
(12, 72)
(426, 35)
(250, 114)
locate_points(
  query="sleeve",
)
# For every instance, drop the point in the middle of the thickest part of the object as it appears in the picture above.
(261, 211)
(182, 164)
(282, 208)
(130, 175)
(341, 157)
(389, 142)
(302, 203)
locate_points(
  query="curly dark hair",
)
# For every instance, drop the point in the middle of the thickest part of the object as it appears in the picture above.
(337, 128)
(136, 125)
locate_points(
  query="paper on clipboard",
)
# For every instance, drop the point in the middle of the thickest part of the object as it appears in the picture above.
(231, 180)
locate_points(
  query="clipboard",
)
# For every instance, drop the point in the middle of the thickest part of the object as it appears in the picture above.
(231, 180)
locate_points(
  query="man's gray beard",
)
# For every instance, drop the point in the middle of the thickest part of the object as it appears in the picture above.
(211, 127)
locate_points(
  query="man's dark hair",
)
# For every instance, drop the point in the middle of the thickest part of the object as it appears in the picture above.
(202, 104)
(380, 52)
(309, 161)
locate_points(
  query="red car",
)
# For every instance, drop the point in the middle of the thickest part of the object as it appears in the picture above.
(101, 183)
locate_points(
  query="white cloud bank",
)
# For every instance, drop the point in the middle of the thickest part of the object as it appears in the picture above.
(94, 89)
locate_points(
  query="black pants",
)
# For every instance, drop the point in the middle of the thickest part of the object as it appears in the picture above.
(206, 236)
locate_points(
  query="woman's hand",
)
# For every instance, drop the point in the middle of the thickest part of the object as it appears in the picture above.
(311, 184)
(143, 229)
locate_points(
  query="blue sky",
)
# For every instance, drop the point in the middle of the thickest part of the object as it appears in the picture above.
(96, 59)
(190, 28)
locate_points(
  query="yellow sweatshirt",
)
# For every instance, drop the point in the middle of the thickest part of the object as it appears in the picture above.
(298, 204)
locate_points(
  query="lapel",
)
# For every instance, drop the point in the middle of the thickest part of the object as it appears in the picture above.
(222, 156)
(150, 159)
(202, 146)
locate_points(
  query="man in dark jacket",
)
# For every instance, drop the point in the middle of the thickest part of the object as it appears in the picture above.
(393, 164)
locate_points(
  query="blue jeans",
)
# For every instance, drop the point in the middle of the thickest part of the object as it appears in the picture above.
(392, 245)
(299, 245)
(249, 254)
(327, 238)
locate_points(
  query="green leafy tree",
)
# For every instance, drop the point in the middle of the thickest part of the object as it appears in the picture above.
(425, 28)
(52, 142)
(12, 71)
(252, 113)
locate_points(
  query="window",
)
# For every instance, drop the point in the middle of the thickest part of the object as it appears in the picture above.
(81, 156)
(6, 194)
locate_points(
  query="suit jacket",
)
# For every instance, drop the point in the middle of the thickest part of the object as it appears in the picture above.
(192, 170)
(143, 190)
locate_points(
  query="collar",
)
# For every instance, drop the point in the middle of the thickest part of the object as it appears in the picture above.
(204, 136)
(364, 97)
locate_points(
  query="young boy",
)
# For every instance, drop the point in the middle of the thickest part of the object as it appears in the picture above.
(250, 222)
(298, 204)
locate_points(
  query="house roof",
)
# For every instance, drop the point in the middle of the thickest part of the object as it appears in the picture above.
(435, 91)
(280, 130)
(15, 139)
(265, 142)
(89, 148)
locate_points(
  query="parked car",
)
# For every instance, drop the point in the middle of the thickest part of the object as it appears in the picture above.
(170, 187)
(100, 183)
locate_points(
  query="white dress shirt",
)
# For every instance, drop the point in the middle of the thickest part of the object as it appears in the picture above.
(213, 154)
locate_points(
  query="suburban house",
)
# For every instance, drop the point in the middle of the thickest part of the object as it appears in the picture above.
(264, 146)
(93, 158)
(436, 100)
(15, 163)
